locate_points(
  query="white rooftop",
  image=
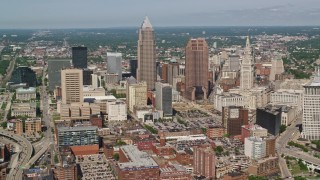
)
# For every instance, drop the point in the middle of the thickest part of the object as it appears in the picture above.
(109, 97)
(25, 90)
(114, 54)
(87, 88)
(137, 158)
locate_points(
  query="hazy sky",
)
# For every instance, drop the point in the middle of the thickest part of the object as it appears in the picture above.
(118, 13)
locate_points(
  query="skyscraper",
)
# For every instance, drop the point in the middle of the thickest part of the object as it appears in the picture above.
(87, 80)
(133, 67)
(246, 77)
(164, 98)
(136, 94)
(71, 85)
(173, 71)
(233, 117)
(114, 64)
(79, 57)
(54, 71)
(196, 71)
(276, 68)
(147, 55)
(311, 109)
(25, 75)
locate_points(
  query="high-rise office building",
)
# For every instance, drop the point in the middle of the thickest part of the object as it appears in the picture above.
(79, 57)
(136, 95)
(96, 80)
(133, 67)
(269, 117)
(158, 70)
(71, 85)
(24, 75)
(246, 70)
(311, 108)
(87, 80)
(173, 71)
(196, 71)
(164, 98)
(54, 71)
(233, 118)
(276, 68)
(114, 66)
(164, 72)
(147, 55)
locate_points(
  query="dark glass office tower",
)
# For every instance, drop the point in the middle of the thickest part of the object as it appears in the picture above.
(79, 57)
(24, 75)
(87, 80)
(133, 67)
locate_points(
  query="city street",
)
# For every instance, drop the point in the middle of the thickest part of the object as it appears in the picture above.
(48, 136)
(281, 144)
(24, 156)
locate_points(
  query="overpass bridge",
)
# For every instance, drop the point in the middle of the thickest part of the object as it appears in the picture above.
(26, 153)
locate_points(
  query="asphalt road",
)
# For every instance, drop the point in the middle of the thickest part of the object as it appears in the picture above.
(281, 144)
(25, 154)
(48, 136)
(303, 156)
(9, 71)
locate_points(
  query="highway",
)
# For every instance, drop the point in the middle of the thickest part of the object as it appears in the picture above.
(25, 154)
(281, 144)
(302, 155)
(17, 150)
(38, 155)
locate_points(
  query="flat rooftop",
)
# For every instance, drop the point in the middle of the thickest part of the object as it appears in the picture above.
(78, 128)
(23, 106)
(25, 90)
(101, 98)
(90, 88)
(137, 158)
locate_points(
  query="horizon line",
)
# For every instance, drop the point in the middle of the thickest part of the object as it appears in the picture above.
(155, 27)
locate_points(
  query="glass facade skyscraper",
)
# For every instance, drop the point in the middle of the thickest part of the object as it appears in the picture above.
(79, 57)
(24, 75)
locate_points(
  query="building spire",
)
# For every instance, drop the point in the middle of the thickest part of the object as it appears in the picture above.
(248, 41)
(146, 23)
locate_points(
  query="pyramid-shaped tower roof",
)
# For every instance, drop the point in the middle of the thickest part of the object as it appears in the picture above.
(146, 23)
